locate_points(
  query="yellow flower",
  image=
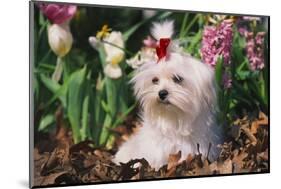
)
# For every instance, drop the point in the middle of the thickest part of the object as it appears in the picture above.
(104, 32)
(60, 39)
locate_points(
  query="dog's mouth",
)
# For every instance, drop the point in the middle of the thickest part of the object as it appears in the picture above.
(165, 102)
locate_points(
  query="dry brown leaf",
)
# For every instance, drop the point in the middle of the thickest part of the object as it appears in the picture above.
(213, 167)
(238, 159)
(173, 160)
(225, 167)
(252, 137)
(50, 179)
(263, 120)
(91, 164)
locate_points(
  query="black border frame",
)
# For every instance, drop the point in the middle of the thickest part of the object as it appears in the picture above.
(31, 103)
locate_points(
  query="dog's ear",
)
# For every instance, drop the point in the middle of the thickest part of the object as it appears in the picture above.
(209, 92)
(141, 80)
(205, 81)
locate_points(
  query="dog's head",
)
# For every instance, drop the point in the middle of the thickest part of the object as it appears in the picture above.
(176, 84)
(180, 85)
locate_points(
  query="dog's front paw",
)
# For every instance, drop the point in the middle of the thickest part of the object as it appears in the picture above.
(122, 156)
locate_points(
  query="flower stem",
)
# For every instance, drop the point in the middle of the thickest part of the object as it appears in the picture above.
(58, 70)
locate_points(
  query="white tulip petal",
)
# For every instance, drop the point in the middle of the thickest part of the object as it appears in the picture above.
(114, 55)
(60, 39)
(113, 71)
(94, 42)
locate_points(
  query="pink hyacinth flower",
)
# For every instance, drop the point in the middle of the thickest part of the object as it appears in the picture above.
(216, 41)
(255, 49)
(58, 13)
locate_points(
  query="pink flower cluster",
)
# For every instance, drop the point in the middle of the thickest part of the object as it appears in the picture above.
(217, 40)
(254, 48)
(58, 13)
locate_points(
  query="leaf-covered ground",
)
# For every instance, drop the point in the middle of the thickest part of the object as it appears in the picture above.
(57, 161)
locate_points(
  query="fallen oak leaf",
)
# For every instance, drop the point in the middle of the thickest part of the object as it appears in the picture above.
(226, 150)
(173, 160)
(247, 131)
(225, 167)
(204, 170)
(263, 155)
(50, 179)
(263, 120)
(238, 160)
(57, 159)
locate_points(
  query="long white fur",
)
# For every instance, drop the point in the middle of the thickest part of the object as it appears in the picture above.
(188, 120)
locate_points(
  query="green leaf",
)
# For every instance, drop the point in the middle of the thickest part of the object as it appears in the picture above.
(183, 25)
(193, 21)
(132, 30)
(123, 116)
(219, 70)
(111, 87)
(58, 90)
(105, 107)
(105, 132)
(127, 34)
(53, 86)
(85, 110)
(242, 65)
(242, 75)
(75, 100)
(163, 15)
(195, 40)
(46, 121)
(241, 94)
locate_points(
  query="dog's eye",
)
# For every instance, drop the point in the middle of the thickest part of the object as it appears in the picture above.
(155, 80)
(177, 79)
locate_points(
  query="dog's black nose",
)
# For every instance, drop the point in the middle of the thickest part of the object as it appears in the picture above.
(163, 94)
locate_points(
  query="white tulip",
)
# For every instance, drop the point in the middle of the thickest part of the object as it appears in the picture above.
(60, 38)
(94, 42)
(113, 71)
(113, 46)
(114, 55)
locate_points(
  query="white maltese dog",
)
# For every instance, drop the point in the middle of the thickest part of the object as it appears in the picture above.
(178, 105)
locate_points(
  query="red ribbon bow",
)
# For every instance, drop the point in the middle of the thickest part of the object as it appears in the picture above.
(161, 49)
